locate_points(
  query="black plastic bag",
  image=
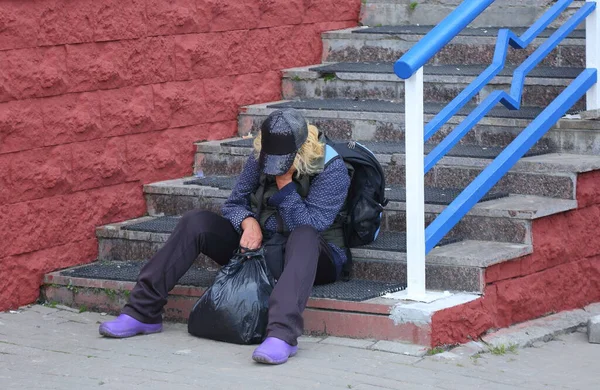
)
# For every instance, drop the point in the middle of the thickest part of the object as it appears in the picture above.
(235, 308)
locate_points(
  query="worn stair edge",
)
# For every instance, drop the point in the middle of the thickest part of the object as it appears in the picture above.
(379, 318)
(504, 13)
(306, 74)
(496, 227)
(526, 207)
(538, 91)
(347, 45)
(258, 112)
(391, 152)
(578, 33)
(264, 109)
(480, 36)
(549, 163)
(524, 178)
(571, 135)
(480, 254)
(469, 253)
(387, 68)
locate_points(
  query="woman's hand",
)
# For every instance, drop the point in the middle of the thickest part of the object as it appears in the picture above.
(251, 236)
(286, 178)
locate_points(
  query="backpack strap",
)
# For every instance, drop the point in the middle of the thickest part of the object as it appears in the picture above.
(330, 155)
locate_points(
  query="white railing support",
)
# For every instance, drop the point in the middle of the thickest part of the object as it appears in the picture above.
(592, 54)
(415, 186)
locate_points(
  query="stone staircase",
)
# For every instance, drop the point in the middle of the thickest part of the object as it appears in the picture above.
(505, 13)
(519, 254)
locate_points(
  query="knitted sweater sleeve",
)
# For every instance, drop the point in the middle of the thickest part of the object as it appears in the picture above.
(237, 207)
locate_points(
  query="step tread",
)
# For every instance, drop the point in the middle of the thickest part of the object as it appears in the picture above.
(468, 253)
(512, 206)
(540, 160)
(386, 241)
(390, 116)
(444, 70)
(390, 147)
(355, 290)
(470, 32)
(377, 306)
(563, 162)
(396, 193)
(390, 106)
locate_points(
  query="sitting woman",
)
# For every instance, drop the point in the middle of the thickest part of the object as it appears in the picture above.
(303, 190)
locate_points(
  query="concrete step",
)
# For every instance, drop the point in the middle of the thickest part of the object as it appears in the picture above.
(376, 80)
(455, 266)
(385, 122)
(473, 46)
(501, 218)
(549, 175)
(389, 318)
(506, 13)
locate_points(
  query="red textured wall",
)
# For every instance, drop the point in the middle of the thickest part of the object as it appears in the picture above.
(562, 273)
(98, 97)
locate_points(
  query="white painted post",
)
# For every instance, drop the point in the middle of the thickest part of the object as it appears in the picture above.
(415, 187)
(592, 54)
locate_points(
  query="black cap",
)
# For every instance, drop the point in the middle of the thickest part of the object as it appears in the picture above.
(282, 135)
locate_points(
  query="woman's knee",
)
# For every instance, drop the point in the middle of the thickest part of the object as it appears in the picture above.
(198, 220)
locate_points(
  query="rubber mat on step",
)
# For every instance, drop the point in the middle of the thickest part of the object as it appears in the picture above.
(393, 107)
(445, 70)
(221, 182)
(356, 290)
(461, 150)
(129, 271)
(396, 242)
(386, 241)
(439, 196)
(353, 290)
(156, 225)
(477, 32)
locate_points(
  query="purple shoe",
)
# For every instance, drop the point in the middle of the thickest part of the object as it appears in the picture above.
(274, 351)
(127, 326)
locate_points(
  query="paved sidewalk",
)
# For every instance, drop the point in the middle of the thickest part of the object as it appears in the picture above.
(45, 348)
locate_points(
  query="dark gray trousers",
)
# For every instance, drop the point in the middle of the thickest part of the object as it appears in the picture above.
(308, 261)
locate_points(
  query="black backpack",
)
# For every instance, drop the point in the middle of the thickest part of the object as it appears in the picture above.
(366, 196)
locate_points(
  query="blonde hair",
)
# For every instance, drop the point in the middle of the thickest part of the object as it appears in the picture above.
(309, 159)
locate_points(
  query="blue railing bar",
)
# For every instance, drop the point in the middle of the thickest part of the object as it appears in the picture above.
(544, 21)
(550, 44)
(505, 38)
(465, 96)
(463, 128)
(439, 36)
(508, 158)
(512, 101)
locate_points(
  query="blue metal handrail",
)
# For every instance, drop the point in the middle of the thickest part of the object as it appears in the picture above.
(439, 37)
(505, 39)
(511, 101)
(422, 52)
(508, 158)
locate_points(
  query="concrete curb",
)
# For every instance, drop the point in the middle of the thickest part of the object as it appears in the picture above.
(527, 334)
(593, 329)
(524, 335)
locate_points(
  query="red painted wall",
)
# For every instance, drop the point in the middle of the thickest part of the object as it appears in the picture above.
(98, 97)
(562, 273)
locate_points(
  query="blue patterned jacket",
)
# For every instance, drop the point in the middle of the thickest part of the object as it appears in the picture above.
(328, 191)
